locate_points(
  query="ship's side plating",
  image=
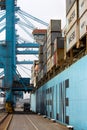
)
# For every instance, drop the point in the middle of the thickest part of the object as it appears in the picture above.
(64, 97)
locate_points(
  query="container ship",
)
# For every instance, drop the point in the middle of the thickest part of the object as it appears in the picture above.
(60, 74)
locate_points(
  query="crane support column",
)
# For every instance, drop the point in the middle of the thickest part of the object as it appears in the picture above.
(10, 50)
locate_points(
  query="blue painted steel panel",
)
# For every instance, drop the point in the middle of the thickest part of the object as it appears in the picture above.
(70, 84)
(26, 81)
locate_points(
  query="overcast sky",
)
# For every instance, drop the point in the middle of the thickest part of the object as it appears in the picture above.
(45, 9)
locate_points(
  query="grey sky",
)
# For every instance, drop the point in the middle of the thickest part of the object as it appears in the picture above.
(45, 9)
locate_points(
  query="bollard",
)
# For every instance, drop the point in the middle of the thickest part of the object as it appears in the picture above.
(70, 127)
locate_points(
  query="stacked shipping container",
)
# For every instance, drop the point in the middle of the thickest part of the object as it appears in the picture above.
(82, 17)
(72, 27)
(76, 23)
(53, 32)
(51, 51)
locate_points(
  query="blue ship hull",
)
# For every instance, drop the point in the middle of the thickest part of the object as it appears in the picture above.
(64, 98)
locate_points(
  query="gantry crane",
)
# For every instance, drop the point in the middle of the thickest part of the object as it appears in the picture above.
(8, 50)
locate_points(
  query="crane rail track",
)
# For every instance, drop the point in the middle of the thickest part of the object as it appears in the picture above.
(5, 121)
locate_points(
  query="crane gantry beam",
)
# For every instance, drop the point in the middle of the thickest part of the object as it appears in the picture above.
(28, 45)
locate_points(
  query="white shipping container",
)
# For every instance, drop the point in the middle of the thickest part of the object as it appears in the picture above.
(72, 16)
(69, 4)
(50, 51)
(48, 65)
(52, 61)
(83, 25)
(82, 7)
(71, 37)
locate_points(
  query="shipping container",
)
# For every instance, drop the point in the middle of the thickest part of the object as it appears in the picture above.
(45, 58)
(40, 66)
(52, 61)
(55, 25)
(51, 37)
(82, 7)
(59, 56)
(72, 16)
(58, 43)
(45, 48)
(48, 65)
(50, 51)
(40, 58)
(55, 58)
(69, 4)
(44, 69)
(83, 25)
(41, 49)
(41, 74)
(71, 37)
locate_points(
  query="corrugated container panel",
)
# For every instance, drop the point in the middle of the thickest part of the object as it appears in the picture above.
(82, 7)
(40, 66)
(48, 65)
(52, 61)
(83, 25)
(69, 4)
(72, 16)
(40, 57)
(45, 48)
(55, 58)
(50, 51)
(71, 37)
(39, 77)
(55, 25)
(59, 55)
(51, 37)
(45, 69)
(45, 58)
(58, 43)
(41, 49)
(41, 74)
